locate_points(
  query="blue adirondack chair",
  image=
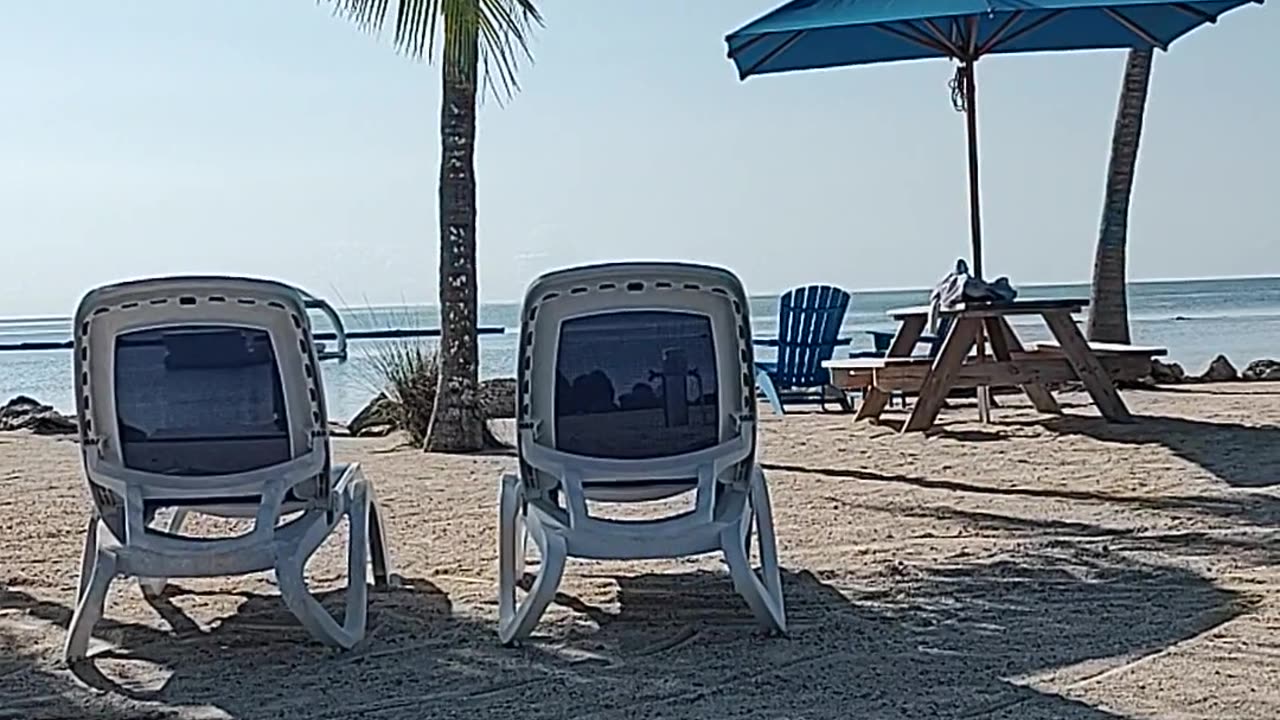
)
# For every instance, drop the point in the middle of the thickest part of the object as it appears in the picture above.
(809, 320)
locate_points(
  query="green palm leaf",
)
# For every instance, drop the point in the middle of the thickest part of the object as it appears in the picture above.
(490, 35)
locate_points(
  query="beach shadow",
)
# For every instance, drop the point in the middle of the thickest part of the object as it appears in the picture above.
(243, 664)
(259, 650)
(31, 687)
(1242, 456)
(1257, 509)
(967, 435)
(928, 641)
(1260, 548)
(942, 641)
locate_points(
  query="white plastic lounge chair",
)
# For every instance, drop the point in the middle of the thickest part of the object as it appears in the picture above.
(204, 395)
(636, 384)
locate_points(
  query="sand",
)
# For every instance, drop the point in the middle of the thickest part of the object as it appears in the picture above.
(1032, 568)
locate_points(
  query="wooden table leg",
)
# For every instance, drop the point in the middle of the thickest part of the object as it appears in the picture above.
(1004, 342)
(1095, 378)
(904, 341)
(933, 391)
(983, 392)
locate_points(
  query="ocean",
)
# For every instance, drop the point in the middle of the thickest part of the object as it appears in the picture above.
(1194, 319)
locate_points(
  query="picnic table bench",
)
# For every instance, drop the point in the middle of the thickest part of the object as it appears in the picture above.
(956, 365)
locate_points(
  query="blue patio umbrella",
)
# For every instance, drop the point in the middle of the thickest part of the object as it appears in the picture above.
(812, 34)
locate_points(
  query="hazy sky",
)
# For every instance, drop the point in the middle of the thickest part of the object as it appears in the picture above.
(267, 137)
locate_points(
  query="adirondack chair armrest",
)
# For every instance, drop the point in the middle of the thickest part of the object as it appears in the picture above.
(889, 334)
(773, 342)
(886, 337)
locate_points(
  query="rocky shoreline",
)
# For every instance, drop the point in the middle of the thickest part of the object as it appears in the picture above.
(24, 413)
(1220, 370)
(498, 399)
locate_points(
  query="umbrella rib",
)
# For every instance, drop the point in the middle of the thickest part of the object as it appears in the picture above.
(1134, 28)
(1000, 31)
(957, 34)
(769, 56)
(747, 44)
(942, 38)
(917, 39)
(1195, 12)
(1031, 27)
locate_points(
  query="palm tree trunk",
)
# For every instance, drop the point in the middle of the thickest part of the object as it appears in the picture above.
(457, 423)
(1109, 304)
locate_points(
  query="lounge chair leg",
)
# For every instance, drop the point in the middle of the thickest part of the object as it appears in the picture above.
(765, 383)
(293, 587)
(88, 556)
(154, 586)
(381, 560)
(89, 608)
(516, 619)
(521, 544)
(763, 591)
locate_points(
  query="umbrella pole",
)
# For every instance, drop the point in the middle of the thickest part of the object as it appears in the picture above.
(975, 217)
(975, 204)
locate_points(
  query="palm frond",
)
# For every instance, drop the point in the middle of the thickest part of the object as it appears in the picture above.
(493, 34)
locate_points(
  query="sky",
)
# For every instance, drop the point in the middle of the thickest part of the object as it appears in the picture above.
(274, 139)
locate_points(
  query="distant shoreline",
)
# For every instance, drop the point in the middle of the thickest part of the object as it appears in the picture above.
(766, 295)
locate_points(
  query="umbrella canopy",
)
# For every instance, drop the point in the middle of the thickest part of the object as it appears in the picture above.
(813, 34)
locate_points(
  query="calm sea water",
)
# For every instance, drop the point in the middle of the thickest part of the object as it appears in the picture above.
(1194, 319)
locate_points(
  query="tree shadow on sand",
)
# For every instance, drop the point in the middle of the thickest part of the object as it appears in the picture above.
(1248, 509)
(34, 686)
(1242, 456)
(257, 662)
(936, 641)
(946, 641)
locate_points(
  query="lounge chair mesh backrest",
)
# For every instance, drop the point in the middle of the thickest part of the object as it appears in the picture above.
(809, 321)
(196, 380)
(635, 361)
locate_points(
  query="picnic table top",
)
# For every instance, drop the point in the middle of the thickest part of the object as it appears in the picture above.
(1014, 307)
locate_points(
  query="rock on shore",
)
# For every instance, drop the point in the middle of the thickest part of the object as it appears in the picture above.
(1220, 369)
(24, 413)
(1262, 370)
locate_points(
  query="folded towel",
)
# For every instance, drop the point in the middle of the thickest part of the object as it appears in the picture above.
(959, 287)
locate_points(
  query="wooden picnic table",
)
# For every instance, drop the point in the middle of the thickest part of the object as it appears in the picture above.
(1070, 358)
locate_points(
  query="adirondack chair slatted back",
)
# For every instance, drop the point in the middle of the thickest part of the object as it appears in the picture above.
(809, 321)
(196, 380)
(634, 361)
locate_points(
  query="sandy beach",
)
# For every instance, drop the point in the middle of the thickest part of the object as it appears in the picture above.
(1032, 568)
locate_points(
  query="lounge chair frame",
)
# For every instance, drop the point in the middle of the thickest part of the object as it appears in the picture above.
(295, 505)
(547, 500)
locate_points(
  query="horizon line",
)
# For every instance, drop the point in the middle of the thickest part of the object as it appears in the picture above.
(868, 291)
(760, 295)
